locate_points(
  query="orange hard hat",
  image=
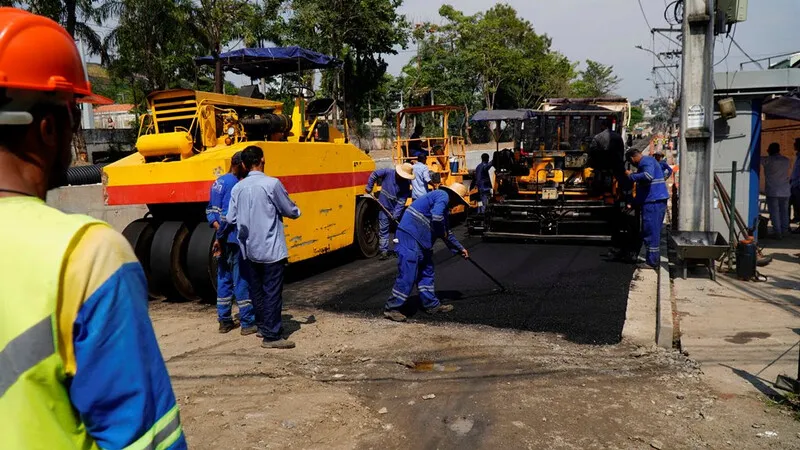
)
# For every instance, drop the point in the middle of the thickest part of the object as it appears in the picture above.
(37, 54)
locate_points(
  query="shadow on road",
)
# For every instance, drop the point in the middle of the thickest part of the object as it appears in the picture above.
(564, 289)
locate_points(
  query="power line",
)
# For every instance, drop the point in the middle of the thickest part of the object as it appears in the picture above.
(745, 54)
(728, 52)
(645, 16)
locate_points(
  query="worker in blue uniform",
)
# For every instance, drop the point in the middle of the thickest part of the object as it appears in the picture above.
(483, 182)
(425, 221)
(659, 156)
(652, 196)
(395, 191)
(231, 280)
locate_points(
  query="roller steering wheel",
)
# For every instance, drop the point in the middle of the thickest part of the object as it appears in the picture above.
(301, 91)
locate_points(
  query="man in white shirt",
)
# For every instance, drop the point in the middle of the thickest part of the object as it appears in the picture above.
(777, 188)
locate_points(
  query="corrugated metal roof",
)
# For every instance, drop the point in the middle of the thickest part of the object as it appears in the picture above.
(115, 108)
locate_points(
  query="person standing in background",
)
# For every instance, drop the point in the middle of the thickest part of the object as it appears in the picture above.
(231, 281)
(483, 181)
(257, 208)
(652, 196)
(777, 189)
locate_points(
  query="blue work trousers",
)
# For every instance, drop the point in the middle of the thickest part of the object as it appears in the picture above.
(385, 222)
(414, 269)
(232, 282)
(779, 214)
(652, 220)
(485, 195)
(266, 290)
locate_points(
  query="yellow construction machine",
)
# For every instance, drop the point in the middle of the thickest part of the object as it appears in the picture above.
(446, 154)
(186, 141)
(552, 185)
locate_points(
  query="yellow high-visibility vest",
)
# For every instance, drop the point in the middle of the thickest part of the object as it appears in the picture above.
(34, 402)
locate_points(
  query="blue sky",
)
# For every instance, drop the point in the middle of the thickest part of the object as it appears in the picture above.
(608, 30)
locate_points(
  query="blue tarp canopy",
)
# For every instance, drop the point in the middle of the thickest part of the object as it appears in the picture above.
(267, 62)
(502, 114)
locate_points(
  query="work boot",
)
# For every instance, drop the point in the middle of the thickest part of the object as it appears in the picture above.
(226, 326)
(384, 256)
(645, 266)
(440, 309)
(394, 315)
(246, 331)
(279, 344)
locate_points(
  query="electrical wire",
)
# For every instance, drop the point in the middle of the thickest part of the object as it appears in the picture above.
(745, 54)
(666, 14)
(733, 33)
(645, 16)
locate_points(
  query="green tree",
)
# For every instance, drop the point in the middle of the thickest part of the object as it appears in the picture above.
(490, 59)
(76, 16)
(597, 80)
(152, 47)
(359, 33)
(215, 23)
(637, 115)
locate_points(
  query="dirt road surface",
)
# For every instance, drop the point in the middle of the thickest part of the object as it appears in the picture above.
(540, 367)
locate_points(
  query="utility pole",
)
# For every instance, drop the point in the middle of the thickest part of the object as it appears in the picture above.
(697, 115)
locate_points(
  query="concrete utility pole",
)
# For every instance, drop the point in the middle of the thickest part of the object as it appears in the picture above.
(697, 116)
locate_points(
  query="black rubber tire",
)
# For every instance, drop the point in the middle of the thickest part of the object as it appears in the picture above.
(366, 229)
(82, 175)
(201, 266)
(168, 261)
(139, 234)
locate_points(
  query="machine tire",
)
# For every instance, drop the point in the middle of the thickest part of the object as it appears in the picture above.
(139, 234)
(201, 266)
(168, 260)
(366, 233)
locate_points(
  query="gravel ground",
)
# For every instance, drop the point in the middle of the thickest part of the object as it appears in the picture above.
(540, 368)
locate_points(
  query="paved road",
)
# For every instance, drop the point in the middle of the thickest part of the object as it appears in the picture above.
(565, 289)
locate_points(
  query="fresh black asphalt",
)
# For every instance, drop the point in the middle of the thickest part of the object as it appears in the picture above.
(568, 289)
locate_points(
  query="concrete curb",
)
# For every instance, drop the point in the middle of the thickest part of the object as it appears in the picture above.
(664, 322)
(640, 314)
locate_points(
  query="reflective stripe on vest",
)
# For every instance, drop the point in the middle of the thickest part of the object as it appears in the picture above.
(166, 430)
(34, 402)
(26, 351)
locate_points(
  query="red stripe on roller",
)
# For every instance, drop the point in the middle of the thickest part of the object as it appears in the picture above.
(198, 191)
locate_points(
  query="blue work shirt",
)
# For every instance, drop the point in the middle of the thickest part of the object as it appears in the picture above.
(258, 205)
(217, 209)
(650, 184)
(666, 168)
(482, 179)
(427, 220)
(393, 191)
(422, 176)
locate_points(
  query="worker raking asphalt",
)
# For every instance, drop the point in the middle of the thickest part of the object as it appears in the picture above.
(565, 289)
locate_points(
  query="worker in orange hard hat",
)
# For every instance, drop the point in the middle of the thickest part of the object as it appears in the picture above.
(79, 363)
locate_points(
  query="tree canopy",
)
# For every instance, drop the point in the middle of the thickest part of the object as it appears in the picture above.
(491, 59)
(487, 60)
(597, 80)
